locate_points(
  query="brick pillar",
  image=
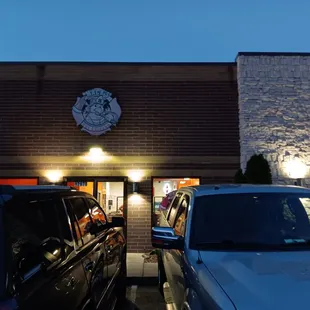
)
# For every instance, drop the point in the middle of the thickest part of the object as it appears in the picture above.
(139, 218)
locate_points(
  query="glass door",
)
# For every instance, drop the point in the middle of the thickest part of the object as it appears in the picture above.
(110, 195)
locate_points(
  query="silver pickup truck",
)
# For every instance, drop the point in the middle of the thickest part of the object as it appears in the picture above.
(235, 247)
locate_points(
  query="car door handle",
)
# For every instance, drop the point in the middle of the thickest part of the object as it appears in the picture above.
(89, 266)
(71, 282)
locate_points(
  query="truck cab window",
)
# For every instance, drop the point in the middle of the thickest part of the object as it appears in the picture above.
(180, 223)
(174, 209)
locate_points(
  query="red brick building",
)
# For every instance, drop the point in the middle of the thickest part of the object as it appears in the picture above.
(178, 126)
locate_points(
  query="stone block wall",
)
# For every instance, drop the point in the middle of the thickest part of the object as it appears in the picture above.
(274, 112)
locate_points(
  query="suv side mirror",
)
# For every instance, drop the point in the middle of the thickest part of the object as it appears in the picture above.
(117, 221)
(165, 238)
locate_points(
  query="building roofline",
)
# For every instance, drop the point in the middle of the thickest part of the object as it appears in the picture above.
(87, 63)
(271, 54)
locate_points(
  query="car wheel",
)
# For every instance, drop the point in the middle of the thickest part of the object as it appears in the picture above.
(161, 275)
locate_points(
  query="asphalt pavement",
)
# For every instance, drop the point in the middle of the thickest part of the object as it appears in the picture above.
(143, 298)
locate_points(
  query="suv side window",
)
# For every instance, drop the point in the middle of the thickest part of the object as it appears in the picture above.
(81, 220)
(174, 208)
(34, 235)
(97, 214)
(180, 223)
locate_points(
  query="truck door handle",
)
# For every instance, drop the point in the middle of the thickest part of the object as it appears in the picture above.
(71, 282)
(89, 266)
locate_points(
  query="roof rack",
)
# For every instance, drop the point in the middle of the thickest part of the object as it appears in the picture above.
(10, 189)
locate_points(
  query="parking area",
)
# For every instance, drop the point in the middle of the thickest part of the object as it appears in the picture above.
(143, 298)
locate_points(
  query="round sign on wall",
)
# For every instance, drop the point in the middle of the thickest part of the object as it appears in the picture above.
(96, 112)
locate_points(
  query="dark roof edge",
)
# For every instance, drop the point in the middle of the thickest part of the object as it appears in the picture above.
(271, 54)
(44, 63)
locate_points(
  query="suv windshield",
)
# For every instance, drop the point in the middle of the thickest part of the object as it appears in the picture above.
(270, 220)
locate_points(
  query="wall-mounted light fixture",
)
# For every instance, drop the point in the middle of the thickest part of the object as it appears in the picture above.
(135, 187)
(54, 176)
(135, 175)
(297, 170)
(95, 155)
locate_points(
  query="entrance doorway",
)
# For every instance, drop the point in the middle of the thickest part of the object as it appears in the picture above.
(164, 186)
(164, 190)
(111, 193)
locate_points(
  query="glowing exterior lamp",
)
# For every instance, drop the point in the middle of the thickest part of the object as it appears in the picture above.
(136, 177)
(296, 169)
(54, 176)
(135, 187)
(95, 155)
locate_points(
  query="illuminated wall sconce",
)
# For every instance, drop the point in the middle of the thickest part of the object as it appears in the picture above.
(95, 155)
(136, 175)
(135, 187)
(54, 176)
(297, 170)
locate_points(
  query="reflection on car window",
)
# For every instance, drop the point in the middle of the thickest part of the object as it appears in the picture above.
(82, 221)
(33, 234)
(273, 219)
(306, 203)
(181, 217)
(173, 209)
(96, 212)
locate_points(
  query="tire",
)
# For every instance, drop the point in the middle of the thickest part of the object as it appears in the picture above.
(161, 275)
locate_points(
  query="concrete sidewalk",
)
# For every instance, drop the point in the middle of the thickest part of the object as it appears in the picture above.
(139, 271)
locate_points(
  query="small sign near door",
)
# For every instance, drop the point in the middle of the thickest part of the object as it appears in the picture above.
(80, 183)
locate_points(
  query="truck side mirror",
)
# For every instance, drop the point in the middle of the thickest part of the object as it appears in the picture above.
(165, 238)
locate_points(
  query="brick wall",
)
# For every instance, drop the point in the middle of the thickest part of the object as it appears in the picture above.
(139, 218)
(160, 118)
(177, 120)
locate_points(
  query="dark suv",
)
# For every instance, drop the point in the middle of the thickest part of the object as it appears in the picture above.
(58, 250)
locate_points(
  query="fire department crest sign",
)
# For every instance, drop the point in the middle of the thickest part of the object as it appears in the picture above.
(96, 112)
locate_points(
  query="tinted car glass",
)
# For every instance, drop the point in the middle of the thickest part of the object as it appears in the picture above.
(271, 219)
(82, 221)
(180, 222)
(33, 233)
(97, 214)
(173, 208)
(64, 224)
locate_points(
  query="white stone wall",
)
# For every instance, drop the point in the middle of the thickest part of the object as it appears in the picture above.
(274, 104)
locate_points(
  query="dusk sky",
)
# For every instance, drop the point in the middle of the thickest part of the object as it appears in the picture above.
(142, 30)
